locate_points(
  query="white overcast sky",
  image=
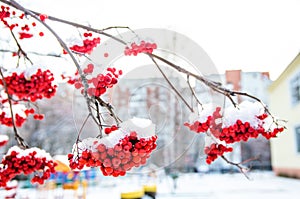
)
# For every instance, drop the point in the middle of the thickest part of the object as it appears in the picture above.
(252, 35)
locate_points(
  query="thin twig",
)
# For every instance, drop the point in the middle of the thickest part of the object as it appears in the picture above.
(81, 128)
(242, 169)
(193, 92)
(99, 118)
(171, 85)
(34, 53)
(110, 109)
(20, 48)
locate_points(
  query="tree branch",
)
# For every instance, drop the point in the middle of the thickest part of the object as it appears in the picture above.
(110, 109)
(193, 92)
(242, 169)
(20, 49)
(34, 53)
(171, 85)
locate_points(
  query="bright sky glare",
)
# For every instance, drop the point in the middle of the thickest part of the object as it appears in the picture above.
(252, 35)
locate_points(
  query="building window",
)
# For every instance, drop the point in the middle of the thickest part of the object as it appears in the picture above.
(295, 89)
(298, 138)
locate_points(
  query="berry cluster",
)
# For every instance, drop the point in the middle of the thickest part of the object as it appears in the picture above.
(88, 44)
(7, 121)
(39, 85)
(242, 131)
(212, 123)
(18, 161)
(199, 127)
(269, 133)
(86, 159)
(4, 13)
(129, 152)
(215, 150)
(236, 131)
(99, 84)
(24, 31)
(20, 114)
(143, 47)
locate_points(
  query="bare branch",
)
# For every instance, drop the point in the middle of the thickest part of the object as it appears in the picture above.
(171, 85)
(80, 131)
(34, 13)
(34, 53)
(193, 91)
(21, 51)
(110, 109)
(242, 169)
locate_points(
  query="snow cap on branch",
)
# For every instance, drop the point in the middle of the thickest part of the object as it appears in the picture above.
(246, 112)
(207, 110)
(143, 127)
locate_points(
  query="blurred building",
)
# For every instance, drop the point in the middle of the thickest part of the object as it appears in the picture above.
(285, 103)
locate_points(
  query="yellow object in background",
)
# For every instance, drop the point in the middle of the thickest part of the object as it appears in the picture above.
(150, 188)
(133, 194)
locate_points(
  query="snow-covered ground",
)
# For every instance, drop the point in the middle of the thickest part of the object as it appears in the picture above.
(235, 186)
(189, 186)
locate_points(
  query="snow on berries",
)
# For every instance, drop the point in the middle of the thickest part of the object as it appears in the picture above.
(19, 161)
(142, 47)
(118, 152)
(234, 124)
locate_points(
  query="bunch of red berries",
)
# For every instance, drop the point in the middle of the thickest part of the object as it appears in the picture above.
(7, 121)
(143, 47)
(240, 131)
(35, 87)
(88, 44)
(131, 151)
(7, 13)
(199, 127)
(85, 159)
(28, 161)
(269, 133)
(212, 123)
(20, 115)
(4, 13)
(233, 129)
(99, 84)
(215, 150)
